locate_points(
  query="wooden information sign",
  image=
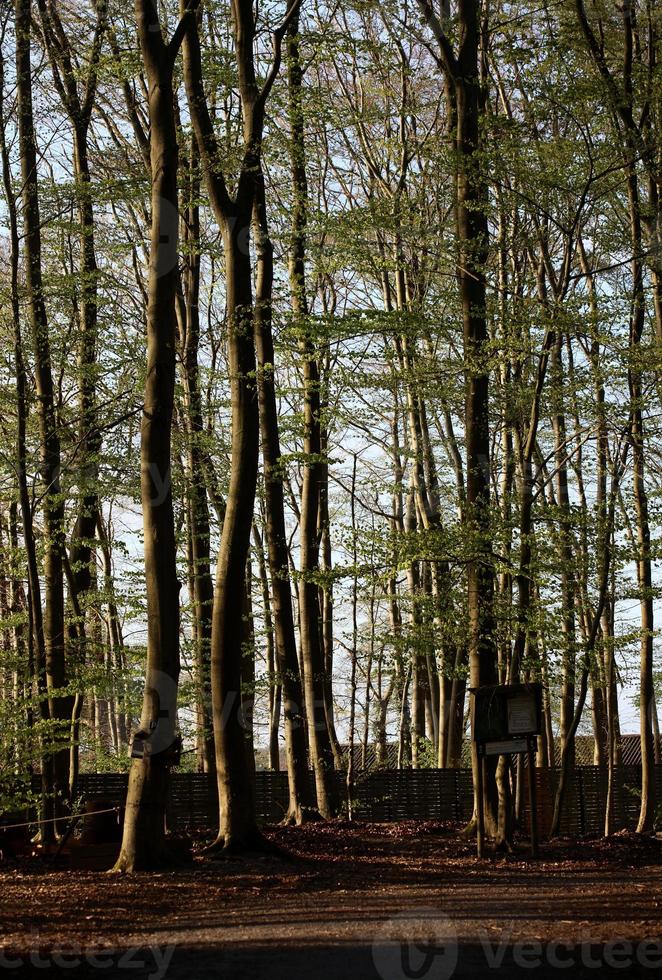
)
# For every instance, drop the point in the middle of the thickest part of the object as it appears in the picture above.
(506, 720)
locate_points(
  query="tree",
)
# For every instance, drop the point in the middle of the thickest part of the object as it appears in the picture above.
(143, 842)
(53, 669)
(238, 828)
(188, 315)
(465, 94)
(301, 806)
(312, 649)
(79, 108)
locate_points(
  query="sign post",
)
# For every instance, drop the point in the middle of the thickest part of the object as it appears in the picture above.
(507, 718)
(480, 816)
(533, 809)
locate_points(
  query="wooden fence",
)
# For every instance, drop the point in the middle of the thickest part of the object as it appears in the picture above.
(389, 795)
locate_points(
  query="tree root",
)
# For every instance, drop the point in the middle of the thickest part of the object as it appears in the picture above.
(172, 854)
(470, 829)
(300, 816)
(253, 843)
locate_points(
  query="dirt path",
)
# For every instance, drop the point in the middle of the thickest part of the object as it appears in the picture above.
(378, 901)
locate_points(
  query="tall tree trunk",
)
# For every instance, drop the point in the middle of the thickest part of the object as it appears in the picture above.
(325, 590)
(198, 504)
(643, 559)
(465, 98)
(53, 505)
(566, 559)
(36, 648)
(115, 638)
(312, 651)
(143, 843)
(275, 694)
(301, 804)
(238, 826)
(79, 109)
(350, 778)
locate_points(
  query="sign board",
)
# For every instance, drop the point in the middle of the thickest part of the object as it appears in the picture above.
(513, 746)
(504, 712)
(522, 714)
(140, 747)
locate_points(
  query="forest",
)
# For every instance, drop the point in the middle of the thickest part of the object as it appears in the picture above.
(330, 392)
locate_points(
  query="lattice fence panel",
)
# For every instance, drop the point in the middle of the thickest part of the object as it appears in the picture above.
(390, 795)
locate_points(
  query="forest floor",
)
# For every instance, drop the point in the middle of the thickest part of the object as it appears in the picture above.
(355, 901)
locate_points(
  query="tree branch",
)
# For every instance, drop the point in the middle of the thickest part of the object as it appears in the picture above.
(201, 120)
(278, 35)
(446, 48)
(177, 38)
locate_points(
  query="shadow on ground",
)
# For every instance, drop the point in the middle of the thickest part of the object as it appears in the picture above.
(390, 961)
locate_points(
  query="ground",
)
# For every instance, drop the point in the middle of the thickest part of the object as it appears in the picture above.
(355, 901)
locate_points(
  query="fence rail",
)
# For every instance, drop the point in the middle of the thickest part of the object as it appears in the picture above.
(389, 795)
